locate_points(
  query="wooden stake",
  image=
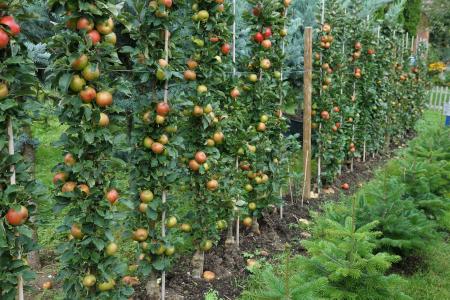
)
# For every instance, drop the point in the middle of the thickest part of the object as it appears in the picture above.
(234, 37)
(237, 231)
(353, 126)
(378, 35)
(290, 186)
(164, 195)
(163, 234)
(13, 182)
(364, 151)
(322, 17)
(281, 207)
(11, 150)
(307, 90)
(281, 105)
(304, 179)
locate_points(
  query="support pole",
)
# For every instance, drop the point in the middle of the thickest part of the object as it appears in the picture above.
(281, 207)
(13, 182)
(234, 37)
(237, 230)
(232, 239)
(11, 150)
(164, 195)
(307, 90)
(283, 45)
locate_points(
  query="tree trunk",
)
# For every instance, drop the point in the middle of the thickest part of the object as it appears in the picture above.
(255, 226)
(229, 242)
(152, 288)
(198, 261)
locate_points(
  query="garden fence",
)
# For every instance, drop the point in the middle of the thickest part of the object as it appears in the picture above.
(438, 97)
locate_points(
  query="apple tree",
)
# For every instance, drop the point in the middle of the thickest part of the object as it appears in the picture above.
(86, 182)
(207, 93)
(262, 158)
(18, 190)
(156, 60)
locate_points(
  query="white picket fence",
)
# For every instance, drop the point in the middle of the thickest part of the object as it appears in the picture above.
(438, 97)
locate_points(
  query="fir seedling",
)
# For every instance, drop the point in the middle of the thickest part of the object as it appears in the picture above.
(344, 254)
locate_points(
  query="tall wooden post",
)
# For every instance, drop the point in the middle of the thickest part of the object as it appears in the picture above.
(307, 90)
(11, 151)
(164, 195)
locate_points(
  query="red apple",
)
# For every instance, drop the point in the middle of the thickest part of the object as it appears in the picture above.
(268, 32)
(266, 44)
(17, 217)
(88, 94)
(325, 115)
(157, 148)
(4, 39)
(258, 37)
(162, 109)
(94, 36)
(200, 157)
(11, 23)
(235, 93)
(84, 23)
(225, 49)
(112, 196)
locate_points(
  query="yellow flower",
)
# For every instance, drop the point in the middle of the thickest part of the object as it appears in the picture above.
(437, 67)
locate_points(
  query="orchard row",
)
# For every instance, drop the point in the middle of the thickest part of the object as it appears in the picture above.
(371, 90)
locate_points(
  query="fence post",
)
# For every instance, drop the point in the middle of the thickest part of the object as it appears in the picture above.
(430, 96)
(307, 90)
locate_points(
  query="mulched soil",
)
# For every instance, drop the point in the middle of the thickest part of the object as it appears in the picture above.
(229, 265)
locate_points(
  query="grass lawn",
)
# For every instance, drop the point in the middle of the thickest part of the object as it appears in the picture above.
(432, 282)
(47, 157)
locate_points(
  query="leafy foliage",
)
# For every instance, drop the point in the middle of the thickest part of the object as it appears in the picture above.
(18, 84)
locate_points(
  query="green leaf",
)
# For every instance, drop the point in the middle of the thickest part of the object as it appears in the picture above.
(64, 82)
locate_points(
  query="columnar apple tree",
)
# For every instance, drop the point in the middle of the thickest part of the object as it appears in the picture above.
(156, 61)
(207, 71)
(261, 157)
(333, 106)
(85, 182)
(18, 190)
